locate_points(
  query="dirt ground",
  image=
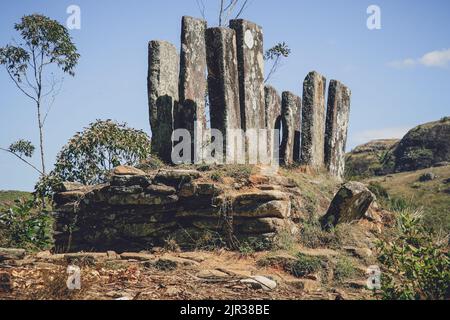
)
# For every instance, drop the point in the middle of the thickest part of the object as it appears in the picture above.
(165, 276)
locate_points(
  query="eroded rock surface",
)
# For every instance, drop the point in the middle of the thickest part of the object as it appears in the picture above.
(350, 203)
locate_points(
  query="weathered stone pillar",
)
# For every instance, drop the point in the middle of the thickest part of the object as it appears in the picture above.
(313, 122)
(250, 56)
(191, 109)
(289, 110)
(223, 80)
(298, 131)
(273, 119)
(162, 83)
(338, 114)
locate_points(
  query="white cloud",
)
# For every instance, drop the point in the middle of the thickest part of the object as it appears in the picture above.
(376, 134)
(438, 58)
(407, 63)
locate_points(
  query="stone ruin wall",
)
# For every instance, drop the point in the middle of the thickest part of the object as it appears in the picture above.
(312, 135)
(136, 210)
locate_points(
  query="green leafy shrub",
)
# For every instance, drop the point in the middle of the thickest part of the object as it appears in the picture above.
(90, 155)
(26, 225)
(416, 266)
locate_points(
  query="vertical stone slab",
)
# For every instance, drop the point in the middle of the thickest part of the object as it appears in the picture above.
(338, 114)
(298, 132)
(289, 114)
(313, 120)
(272, 118)
(192, 86)
(223, 80)
(162, 84)
(250, 55)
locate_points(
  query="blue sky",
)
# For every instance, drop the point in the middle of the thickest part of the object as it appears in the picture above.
(399, 75)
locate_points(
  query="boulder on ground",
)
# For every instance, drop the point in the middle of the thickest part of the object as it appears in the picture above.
(350, 203)
(429, 176)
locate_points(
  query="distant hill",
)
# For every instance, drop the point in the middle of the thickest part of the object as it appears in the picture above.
(424, 146)
(7, 198)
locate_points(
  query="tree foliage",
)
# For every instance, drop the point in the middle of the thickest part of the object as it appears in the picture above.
(103, 145)
(22, 148)
(275, 55)
(44, 43)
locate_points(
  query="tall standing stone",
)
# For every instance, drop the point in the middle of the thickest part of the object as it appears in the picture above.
(250, 57)
(313, 122)
(338, 114)
(289, 110)
(298, 132)
(162, 83)
(223, 80)
(192, 84)
(273, 119)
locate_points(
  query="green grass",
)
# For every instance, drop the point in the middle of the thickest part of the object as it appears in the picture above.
(405, 190)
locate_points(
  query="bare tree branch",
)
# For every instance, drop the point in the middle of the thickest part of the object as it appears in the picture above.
(273, 70)
(20, 87)
(221, 12)
(22, 159)
(201, 8)
(244, 6)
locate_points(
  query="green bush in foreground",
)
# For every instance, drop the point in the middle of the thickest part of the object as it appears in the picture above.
(416, 266)
(25, 225)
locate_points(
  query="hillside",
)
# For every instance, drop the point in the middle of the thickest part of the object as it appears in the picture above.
(7, 198)
(415, 188)
(424, 146)
(367, 159)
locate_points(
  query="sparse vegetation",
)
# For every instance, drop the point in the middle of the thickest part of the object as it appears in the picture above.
(416, 264)
(313, 236)
(344, 269)
(306, 265)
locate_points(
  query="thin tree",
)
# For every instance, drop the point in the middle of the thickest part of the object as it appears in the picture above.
(45, 46)
(275, 55)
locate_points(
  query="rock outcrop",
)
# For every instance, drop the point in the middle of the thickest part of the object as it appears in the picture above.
(350, 203)
(422, 147)
(138, 211)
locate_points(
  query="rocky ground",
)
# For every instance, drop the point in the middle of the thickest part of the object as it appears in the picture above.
(183, 275)
(312, 264)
